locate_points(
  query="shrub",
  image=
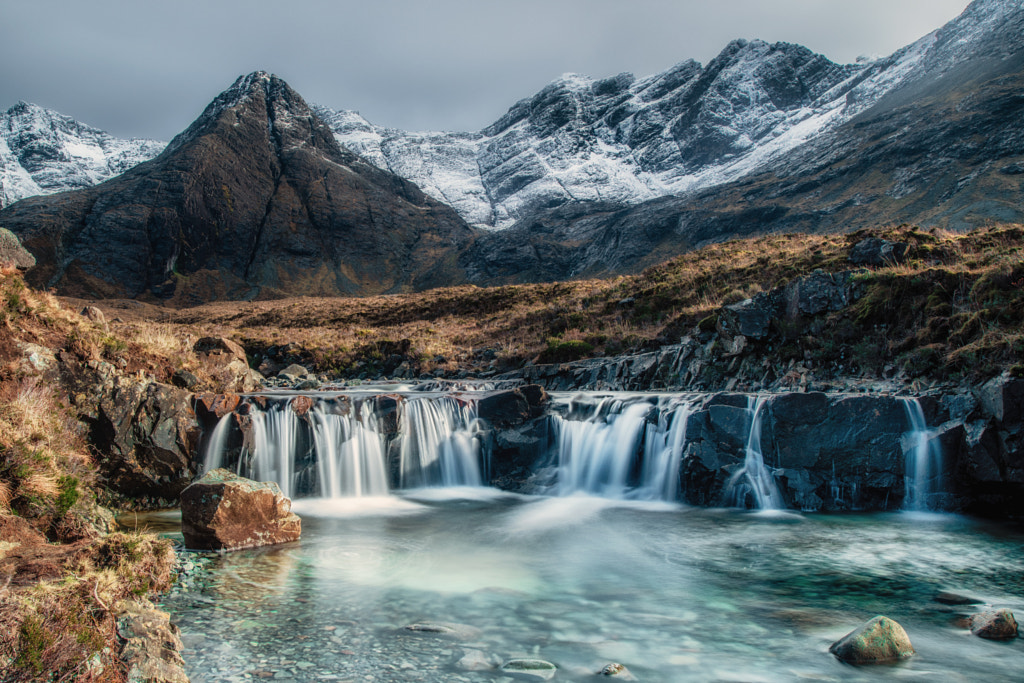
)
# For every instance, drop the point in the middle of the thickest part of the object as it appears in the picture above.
(563, 351)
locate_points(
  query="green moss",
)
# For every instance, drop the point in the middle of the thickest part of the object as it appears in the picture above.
(563, 351)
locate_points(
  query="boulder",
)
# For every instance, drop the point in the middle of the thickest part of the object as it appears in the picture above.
(879, 640)
(293, 372)
(819, 292)
(151, 646)
(148, 434)
(751, 318)
(874, 251)
(225, 361)
(223, 511)
(995, 625)
(504, 409)
(12, 254)
(94, 315)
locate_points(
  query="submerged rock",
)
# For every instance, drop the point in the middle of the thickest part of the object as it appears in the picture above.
(951, 598)
(879, 640)
(445, 628)
(223, 511)
(994, 625)
(532, 668)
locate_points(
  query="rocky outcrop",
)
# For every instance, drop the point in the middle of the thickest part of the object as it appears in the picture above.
(254, 198)
(151, 647)
(147, 433)
(225, 361)
(223, 511)
(879, 640)
(12, 254)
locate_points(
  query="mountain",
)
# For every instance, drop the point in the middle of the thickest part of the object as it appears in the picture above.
(42, 151)
(255, 198)
(942, 147)
(625, 141)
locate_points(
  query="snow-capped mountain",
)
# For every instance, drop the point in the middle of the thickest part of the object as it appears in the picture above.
(42, 151)
(691, 127)
(618, 140)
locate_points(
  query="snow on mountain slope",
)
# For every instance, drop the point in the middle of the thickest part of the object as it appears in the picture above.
(42, 151)
(686, 129)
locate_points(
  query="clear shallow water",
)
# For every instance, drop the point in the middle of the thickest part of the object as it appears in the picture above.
(673, 593)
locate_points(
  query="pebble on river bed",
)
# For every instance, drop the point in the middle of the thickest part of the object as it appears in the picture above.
(533, 668)
(879, 640)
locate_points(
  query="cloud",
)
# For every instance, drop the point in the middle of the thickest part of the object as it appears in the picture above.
(147, 69)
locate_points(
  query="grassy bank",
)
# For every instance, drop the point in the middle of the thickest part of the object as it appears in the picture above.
(951, 310)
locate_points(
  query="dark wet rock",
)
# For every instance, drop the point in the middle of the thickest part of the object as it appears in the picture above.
(879, 640)
(994, 625)
(874, 251)
(148, 433)
(12, 254)
(951, 598)
(151, 647)
(504, 409)
(819, 292)
(616, 670)
(223, 511)
(216, 406)
(530, 668)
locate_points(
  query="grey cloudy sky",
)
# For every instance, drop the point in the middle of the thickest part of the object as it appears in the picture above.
(144, 68)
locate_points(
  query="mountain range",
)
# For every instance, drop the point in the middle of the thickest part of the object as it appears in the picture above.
(587, 177)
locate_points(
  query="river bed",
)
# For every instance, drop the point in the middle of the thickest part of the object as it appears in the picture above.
(671, 592)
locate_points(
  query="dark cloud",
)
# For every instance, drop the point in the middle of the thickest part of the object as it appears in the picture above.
(147, 69)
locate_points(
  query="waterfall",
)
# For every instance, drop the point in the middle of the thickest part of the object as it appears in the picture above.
(923, 459)
(754, 478)
(439, 443)
(617, 451)
(271, 452)
(350, 453)
(213, 457)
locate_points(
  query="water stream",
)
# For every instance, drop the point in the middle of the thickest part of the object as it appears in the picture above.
(673, 593)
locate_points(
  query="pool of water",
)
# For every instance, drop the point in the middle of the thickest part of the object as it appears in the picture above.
(673, 593)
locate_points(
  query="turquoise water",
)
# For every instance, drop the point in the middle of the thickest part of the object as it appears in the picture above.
(673, 593)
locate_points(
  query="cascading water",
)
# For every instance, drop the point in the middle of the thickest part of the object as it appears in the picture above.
(214, 455)
(617, 451)
(439, 444)
(271, 452)
(350, 453)
(923, 460)
(754, 478)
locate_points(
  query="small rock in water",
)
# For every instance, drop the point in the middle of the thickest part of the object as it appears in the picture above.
(879, 640)
(444, 628)
(533, 668)
(950, 598)
(994, 625)
(618, 671)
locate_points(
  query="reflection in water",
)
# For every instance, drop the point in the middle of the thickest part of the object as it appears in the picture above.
(674, 593)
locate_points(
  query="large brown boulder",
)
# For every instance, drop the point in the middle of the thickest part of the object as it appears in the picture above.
(879, 640)
(223, 511)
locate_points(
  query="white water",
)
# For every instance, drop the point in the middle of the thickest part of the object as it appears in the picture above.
(615, 450)
(754, 476)
(439, 443)
(923, 460)
(350, 453)
(270, 456)
(214, 455)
